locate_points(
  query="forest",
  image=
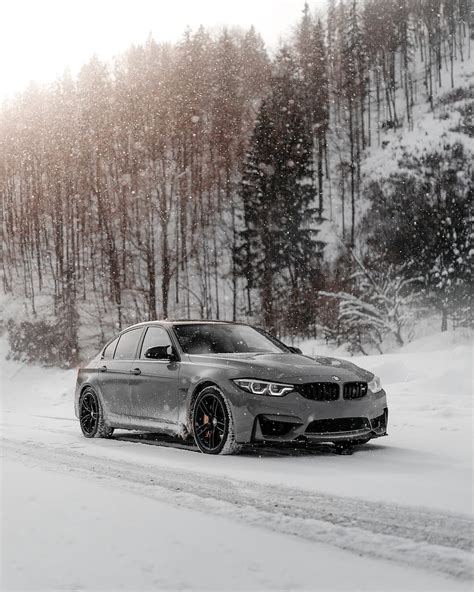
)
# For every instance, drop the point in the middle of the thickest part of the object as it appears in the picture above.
(217, 178)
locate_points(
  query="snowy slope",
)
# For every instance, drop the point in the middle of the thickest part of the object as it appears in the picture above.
(390, 150)
(154, 512)
(433, 130)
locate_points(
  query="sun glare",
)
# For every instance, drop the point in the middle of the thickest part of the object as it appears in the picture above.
(40, 39)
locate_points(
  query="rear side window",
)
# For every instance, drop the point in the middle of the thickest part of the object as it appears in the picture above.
(127, 345)
(110, 350)
(155, 337)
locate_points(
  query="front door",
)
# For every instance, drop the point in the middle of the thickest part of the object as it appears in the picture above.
(114, 374)
(154, 383)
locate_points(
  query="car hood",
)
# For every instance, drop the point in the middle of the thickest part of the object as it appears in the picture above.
(292, 368)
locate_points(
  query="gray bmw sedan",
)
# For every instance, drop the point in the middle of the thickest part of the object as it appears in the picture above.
(225, 385)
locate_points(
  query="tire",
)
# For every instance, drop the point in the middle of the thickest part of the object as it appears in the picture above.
(211, 410)
(91, 416)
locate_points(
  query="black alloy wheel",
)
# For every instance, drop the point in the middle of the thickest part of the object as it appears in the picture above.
(89, 414)
(91, 417)
(210, 421)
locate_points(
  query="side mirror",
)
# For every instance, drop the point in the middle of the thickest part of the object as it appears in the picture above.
(160, 352)
(294, 350)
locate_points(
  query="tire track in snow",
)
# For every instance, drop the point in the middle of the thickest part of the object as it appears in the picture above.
(414, 536)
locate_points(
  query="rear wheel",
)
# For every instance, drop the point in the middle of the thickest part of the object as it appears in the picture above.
(213, 426)
(91, 416)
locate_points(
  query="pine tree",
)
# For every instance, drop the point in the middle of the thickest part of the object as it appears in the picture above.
(278, 244)
(313, 72)
(353, 67)
(420, 220)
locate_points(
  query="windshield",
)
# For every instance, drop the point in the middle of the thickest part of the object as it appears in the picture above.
(224, 339)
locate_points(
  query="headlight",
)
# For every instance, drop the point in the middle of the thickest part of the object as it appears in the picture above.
(375, 385)
(262, 387)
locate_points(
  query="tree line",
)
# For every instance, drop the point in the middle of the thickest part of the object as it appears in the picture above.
(197, 179)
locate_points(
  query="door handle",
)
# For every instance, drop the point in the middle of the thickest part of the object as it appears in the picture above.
(136, 371)
(103, 369)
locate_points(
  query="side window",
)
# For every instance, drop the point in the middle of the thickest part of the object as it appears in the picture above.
(127, 345)
(109, 350)
(154, 337)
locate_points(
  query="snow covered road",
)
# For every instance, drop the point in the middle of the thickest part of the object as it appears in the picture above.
(398, 509)
(434, 540)
(109, 538)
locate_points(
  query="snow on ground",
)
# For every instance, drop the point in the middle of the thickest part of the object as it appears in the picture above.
(149, 514)
(105, 539)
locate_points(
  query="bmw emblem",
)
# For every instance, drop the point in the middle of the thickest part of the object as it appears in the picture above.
(336, 378)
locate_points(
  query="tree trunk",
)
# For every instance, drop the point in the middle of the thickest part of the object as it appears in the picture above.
(444, 318)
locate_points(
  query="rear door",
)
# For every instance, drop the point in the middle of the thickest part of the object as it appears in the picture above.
(114, 372)
(154, 383)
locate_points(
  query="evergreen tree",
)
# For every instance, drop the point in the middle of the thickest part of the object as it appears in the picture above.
(313, 71)
(278, 240)
(353, 66)
(420, 220)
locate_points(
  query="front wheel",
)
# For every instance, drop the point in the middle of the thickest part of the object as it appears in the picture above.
(91, 416)
(213, 426)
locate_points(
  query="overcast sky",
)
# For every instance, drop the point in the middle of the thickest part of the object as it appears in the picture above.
(39, 39)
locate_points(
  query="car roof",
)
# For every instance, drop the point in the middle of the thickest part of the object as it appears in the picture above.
(171, 322)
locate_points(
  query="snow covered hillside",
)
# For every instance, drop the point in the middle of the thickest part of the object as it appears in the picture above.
(149, 513)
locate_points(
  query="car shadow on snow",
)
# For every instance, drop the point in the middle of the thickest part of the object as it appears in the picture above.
(274, 450)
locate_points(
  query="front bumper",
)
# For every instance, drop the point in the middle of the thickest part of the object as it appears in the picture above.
(260, 418)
